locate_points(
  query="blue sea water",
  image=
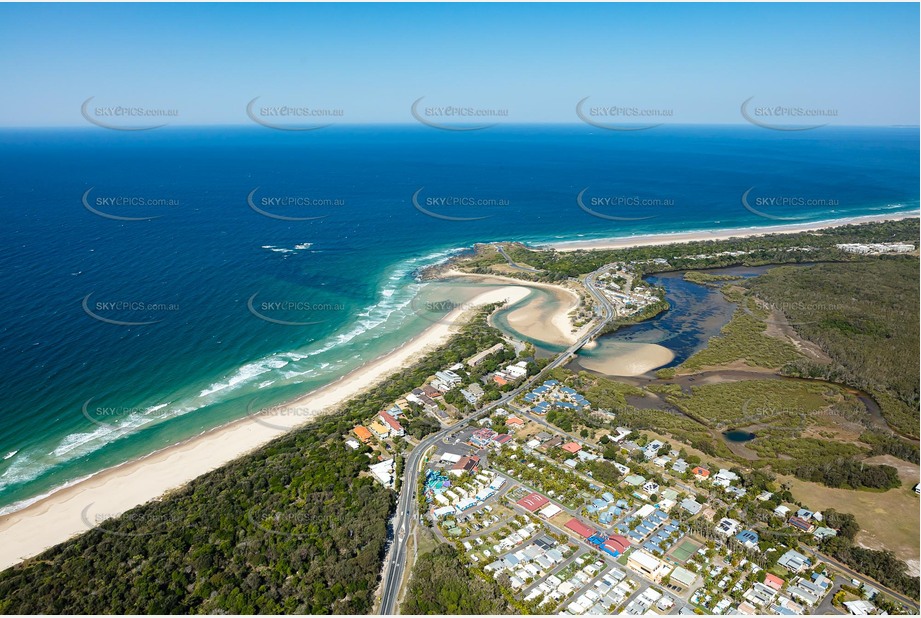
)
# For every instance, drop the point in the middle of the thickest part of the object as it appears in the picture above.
(259, 264)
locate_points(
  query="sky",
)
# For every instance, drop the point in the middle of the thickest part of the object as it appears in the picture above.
(856, 63)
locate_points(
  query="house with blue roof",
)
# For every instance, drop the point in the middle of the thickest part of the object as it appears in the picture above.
(748, 538)
(608, 497)
(551, 382)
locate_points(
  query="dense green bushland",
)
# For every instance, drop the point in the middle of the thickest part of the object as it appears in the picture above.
(292, 528)
(441, 584)
(864, 315)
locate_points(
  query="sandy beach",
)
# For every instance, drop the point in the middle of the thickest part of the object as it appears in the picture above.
(681, 237)
(536, 320)
(74, 509)
(627, 359)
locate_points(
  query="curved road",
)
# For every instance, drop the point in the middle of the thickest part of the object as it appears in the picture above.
(407, 509)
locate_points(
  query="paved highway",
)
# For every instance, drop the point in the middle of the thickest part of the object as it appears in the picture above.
(407, 509)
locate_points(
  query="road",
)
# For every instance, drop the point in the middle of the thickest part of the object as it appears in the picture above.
(514, 264)
(851, 573)
(407, 509)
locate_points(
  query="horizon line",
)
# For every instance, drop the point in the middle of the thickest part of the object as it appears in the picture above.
(459, 125)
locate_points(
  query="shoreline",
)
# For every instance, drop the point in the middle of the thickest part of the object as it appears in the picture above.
(567, 333)
(60, 514)
(668, 238)
(66, 512)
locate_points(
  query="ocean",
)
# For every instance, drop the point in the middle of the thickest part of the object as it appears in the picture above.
(161, 283)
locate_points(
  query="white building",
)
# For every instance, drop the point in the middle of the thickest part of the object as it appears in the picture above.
(383, 471)
(518, 370)
(448, 377)
(727, 526)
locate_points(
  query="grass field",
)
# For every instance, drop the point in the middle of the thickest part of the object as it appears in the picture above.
(887, 519)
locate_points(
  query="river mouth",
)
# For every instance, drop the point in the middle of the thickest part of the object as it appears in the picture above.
(696, 313)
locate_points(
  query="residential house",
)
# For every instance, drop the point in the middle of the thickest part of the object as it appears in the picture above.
(691, 506)
(773, 581)
(748, 538)
(448, 377)
(781, 511)
(724, 478)
(466, 464)
(362, 433)
(700, 472)
(518, 370)
(727, 526)
(395, 428)
(571, 447)
(379, 429)
(794, 561)
(801, 524)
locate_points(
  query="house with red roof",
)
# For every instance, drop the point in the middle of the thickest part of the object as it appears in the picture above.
(700, 472)
(571, 447)
(395, 428)
(773, 581)
(362, 432)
